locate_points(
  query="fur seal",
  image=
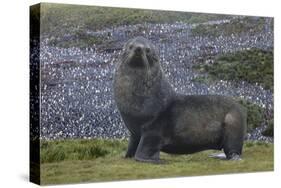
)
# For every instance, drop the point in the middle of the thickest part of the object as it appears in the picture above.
(159, 119)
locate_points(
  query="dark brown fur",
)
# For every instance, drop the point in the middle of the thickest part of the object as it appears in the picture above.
(161, 120)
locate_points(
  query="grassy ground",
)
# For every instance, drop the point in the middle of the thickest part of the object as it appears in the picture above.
(249, 25)
(74, 161)
(54, 16)
(253, 66)
(58, 20)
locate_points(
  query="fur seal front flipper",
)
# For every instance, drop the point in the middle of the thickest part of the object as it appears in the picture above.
(150, 143)
(149, 147)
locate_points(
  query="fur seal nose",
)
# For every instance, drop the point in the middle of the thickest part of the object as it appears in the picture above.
(138, 50)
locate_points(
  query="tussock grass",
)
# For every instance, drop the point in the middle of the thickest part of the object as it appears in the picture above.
(253, 66)
(254, 114)
(55, 151)
(250, 25)
(111, 165)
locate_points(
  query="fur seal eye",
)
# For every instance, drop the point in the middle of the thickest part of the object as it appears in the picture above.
(147, 50)
(130, 47)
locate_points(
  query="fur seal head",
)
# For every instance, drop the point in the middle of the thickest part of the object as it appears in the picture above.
(140, 55)
(139, 79)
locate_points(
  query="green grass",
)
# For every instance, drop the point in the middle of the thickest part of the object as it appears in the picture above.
(79, 39)
(252, 66)
(249, 25)
(202, 80)
(269, 131)
(256, 117)
(110, 164)
(254, 114)
(65, 16)
(55, 151)
(58, 20)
